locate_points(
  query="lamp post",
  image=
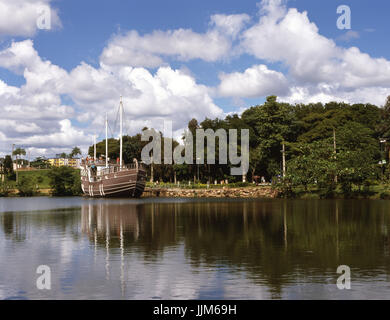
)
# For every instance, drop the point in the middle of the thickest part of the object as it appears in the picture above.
(197, 163)
(283, 151)
(382, 163)
(16, 167)
(383, 142)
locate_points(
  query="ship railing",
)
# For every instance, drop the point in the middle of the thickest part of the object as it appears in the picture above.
(116, 168)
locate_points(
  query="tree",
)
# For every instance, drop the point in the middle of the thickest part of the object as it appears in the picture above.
(40, 163)
(19, 152)
(274, 123)
(313, 163)
(75, 152)
(8, 167)
(357, 156)
(65, 181)
(113, 148)
(384, 126)
(26, 186)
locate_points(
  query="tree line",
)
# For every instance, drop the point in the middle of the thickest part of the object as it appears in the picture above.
(325, 145)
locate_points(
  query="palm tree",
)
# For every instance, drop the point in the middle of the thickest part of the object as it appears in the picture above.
(75, 151)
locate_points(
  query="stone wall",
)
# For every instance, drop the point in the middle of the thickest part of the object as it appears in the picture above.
(247, 192)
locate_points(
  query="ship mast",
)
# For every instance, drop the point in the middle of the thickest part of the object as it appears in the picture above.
(94, 148)
(121, 128)
(106, 140)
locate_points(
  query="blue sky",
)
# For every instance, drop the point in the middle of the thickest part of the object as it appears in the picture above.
(89, 24)
(270, 48)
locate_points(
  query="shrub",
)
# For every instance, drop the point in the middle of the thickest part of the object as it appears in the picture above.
(26, 186)
(4, 189)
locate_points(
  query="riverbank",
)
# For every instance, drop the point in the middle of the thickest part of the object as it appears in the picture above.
(224, 192)
(248, 192)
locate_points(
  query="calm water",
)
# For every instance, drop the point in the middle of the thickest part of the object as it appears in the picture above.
(193, 249)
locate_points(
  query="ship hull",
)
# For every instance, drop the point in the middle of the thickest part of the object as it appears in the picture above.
(128, 183)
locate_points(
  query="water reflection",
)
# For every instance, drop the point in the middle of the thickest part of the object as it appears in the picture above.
(204, 249)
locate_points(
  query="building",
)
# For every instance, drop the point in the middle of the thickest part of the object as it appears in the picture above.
(74, 162)
(69, 162)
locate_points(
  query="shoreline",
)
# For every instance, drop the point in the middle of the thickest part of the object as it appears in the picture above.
(224, 192)
(249, 192)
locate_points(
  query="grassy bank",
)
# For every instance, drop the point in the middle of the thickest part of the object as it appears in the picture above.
(374, 192)
(40, 177)
(63, 181)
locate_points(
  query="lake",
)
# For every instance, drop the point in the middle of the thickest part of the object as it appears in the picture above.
(193, 249)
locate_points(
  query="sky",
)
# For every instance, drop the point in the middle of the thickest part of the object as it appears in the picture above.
(64, 64)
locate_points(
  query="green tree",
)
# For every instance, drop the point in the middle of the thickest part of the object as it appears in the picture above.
(65, 181)
(5, 188)
(113, 148)
(357, 156)
(273, 123)
(315, 164)
(8, 166)
(26, 186)
(75, 151)
(19, 152)
(40, 163)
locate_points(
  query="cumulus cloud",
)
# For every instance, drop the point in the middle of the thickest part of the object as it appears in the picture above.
(257, 81)
(35, 116)
(288, 36)
(149, 50)
(326, 93)
(66, 136)
(19, 17)
(148, 98)
(33, 112)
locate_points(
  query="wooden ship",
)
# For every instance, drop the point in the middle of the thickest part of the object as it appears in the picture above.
(104, 179)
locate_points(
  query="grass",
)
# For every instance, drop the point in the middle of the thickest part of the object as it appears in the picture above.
(377, 191)
(41, 174)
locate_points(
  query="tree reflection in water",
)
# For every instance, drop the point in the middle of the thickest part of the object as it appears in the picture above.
(276, 243)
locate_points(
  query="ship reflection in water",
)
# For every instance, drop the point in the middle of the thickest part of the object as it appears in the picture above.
(194, 249)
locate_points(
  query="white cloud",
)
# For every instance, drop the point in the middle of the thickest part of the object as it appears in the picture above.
(326, 93)
(230, 24)
(149, 50)
(349, 35)
(34, 113)
(148, 98)
(257, 81)
(288, 36)
(19, 17)
(66, 136)
(182, 44)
